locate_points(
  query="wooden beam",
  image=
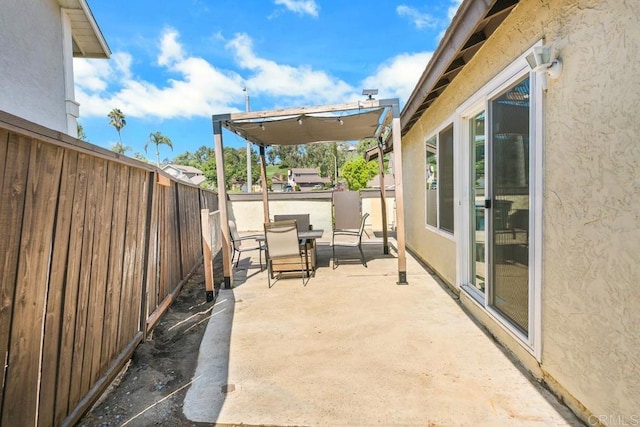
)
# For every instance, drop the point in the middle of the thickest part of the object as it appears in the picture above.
(348, 106)
(222, 206)
(265, 189)
(474, 40)
(400, 233)
(206, 253)
(383, 201)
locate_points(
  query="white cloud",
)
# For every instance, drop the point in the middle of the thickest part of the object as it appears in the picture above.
(199, 88)
(397, 77)
(170, 49)
(195, 87)
(301, 7)
(419, 19)
(284, 81)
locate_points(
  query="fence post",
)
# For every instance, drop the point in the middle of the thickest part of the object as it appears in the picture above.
(206, 253)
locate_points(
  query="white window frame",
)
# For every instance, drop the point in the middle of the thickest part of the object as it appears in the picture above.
(480, 101)
(436, 229)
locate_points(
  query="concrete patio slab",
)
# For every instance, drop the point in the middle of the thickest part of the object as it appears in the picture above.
(352, 348)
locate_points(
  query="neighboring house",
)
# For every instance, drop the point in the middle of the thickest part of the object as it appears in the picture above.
(388, 182)
(188, 174)
(534, 220)
(38, 41)
(306, 179)
(278, 183)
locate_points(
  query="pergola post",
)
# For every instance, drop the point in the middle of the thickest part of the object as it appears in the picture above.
(265, 188)
(397, 165)
(222, 201)
(383, 199)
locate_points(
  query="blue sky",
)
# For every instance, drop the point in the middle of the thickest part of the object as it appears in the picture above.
(175, 63)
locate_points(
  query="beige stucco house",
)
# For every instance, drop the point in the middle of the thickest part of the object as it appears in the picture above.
(38, 41)
(528, 204)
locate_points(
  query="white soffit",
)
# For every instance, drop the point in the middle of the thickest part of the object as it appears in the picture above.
(88, 41)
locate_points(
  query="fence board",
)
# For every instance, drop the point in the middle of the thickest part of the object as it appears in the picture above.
(119, 176)
(131, 241)
(4, 141)
(153, 270)
(84, 285)
(55, 299)
(12, 197)
(138, 273)
(69, 314)
(189, 203)
(26, 330)
(99, 264)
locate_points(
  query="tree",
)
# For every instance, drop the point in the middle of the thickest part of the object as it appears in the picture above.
(117, 120)
(120, 148)
(158, 139)
(358, 172)
(271, 155)
(81, 135)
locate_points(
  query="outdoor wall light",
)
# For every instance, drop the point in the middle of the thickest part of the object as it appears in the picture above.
(541, 60)
(300, 121)
(340, 121)
(262, 126)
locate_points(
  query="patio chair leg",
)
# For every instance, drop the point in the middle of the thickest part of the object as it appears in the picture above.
(362, 255)
(333, 257)
(269, 274)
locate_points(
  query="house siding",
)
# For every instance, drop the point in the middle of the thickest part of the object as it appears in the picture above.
(36, 93)
(591, 207)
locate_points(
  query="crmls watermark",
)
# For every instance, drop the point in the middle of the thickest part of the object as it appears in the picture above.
(614, 420)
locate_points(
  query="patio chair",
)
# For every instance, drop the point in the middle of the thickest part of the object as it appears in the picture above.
(238, 245)
(349, 238)
(284, 245)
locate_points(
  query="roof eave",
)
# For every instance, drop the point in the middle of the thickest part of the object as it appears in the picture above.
(98, 47)
(460, 35)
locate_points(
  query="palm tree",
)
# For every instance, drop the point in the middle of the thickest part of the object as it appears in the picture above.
(120, 148)
(158, 138)
(117, 121)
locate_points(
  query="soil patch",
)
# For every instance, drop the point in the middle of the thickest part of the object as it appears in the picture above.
(151, 390)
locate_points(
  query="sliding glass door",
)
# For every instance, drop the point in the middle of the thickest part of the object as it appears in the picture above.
(498, 204)
(509, 204)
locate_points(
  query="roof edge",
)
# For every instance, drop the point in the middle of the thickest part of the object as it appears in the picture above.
(84, 6)
(469, 14)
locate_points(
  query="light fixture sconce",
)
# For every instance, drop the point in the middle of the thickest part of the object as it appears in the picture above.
(262, 126)
(541, 60)
(340, 121)
(300, 121)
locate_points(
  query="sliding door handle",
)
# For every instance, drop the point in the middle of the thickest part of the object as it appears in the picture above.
(487, 204)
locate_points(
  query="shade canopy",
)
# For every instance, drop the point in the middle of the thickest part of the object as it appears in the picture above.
(305, 127)
(353, 121)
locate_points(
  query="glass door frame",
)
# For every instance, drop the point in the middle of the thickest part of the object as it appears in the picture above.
(474, 105)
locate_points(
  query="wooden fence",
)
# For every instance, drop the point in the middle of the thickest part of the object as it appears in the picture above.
(94, 246)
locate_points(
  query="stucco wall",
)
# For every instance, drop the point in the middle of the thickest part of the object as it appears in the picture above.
(436, 249)
(591, 321)
(31, 64)
(591, 202)
(249, 214)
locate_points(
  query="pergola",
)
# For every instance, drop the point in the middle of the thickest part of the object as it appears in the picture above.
(371, 118)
